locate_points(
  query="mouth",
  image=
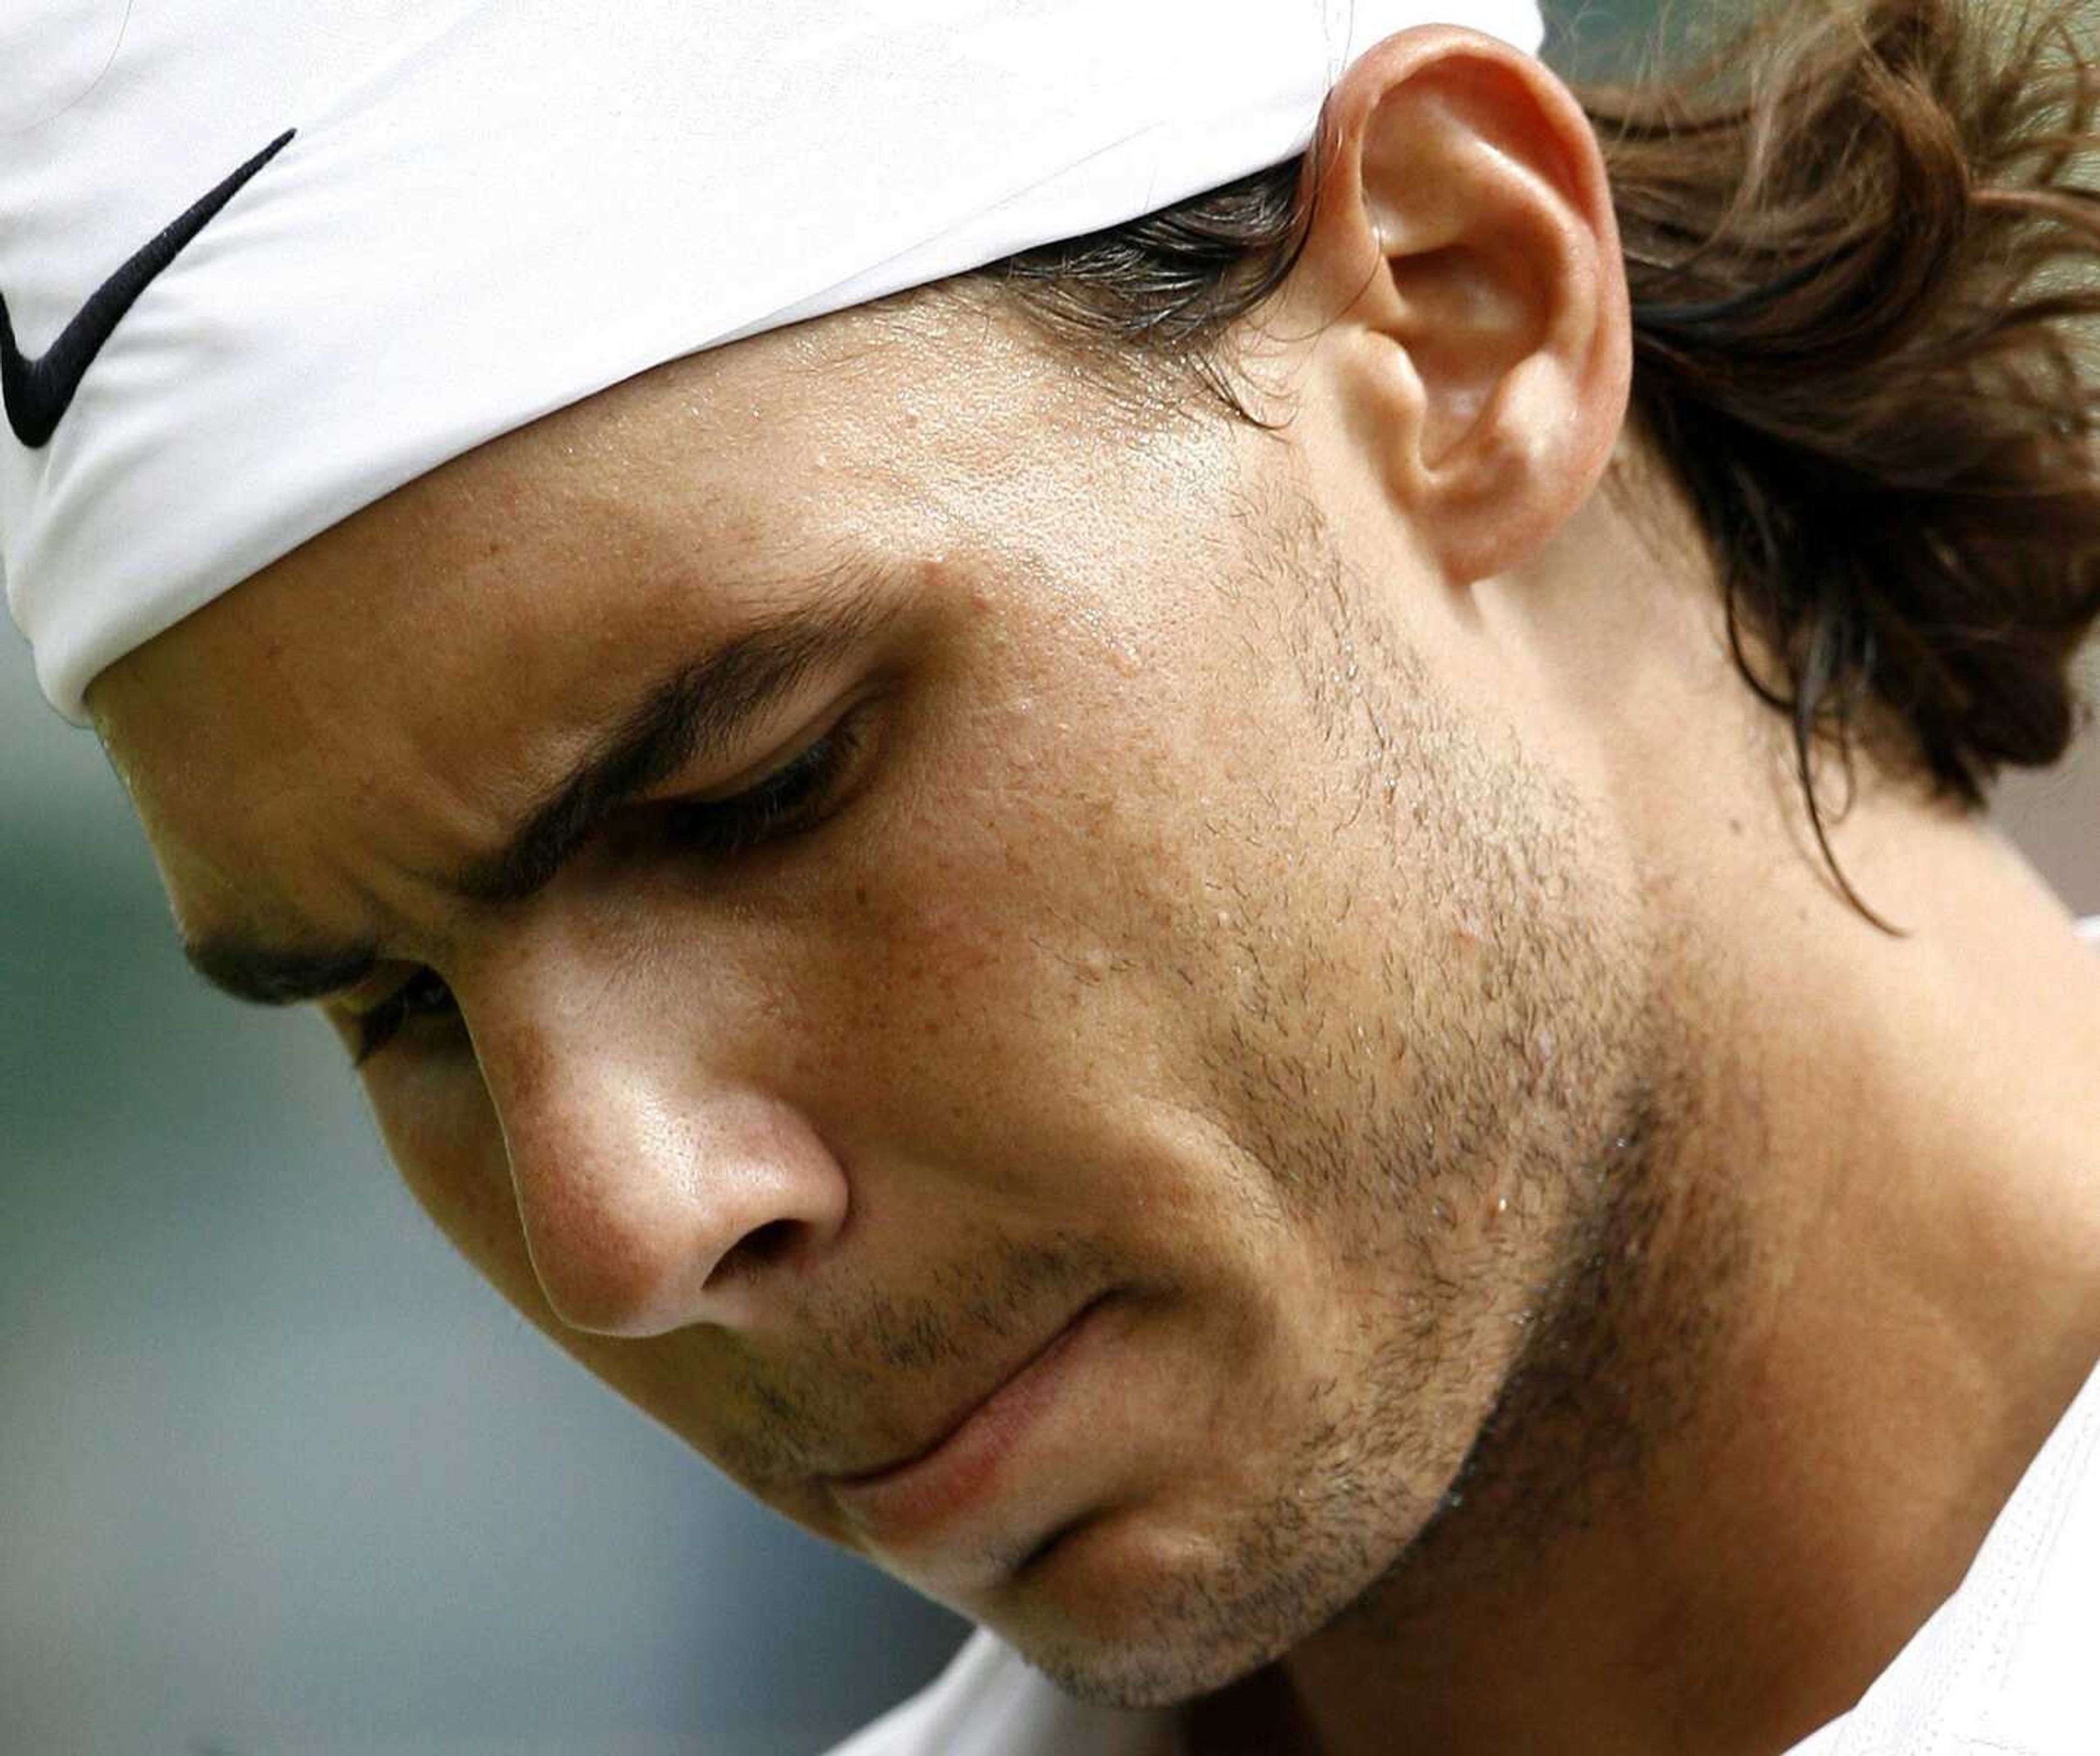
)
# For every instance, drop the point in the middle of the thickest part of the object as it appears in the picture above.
(911, 1497)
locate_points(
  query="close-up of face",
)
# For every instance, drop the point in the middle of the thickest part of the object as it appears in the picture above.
(1245, 907)
(852, 859)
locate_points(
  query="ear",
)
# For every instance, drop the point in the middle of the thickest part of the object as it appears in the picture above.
(1463, 275)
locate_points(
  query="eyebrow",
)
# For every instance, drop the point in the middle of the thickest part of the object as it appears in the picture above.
(701, 709)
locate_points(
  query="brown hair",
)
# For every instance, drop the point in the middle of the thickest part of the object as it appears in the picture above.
(1858, 259)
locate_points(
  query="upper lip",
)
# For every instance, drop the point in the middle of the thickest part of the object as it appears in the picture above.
(948, 1429)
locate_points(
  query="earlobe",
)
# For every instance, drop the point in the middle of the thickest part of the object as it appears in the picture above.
(1464, 261)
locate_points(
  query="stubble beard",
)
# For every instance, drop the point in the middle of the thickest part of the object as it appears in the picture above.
(1479, 1428)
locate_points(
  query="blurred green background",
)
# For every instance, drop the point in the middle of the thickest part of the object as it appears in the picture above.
(277, 1474)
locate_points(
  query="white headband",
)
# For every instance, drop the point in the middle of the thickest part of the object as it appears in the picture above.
(489, 209)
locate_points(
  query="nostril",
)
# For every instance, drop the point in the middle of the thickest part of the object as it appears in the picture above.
(756, 1250)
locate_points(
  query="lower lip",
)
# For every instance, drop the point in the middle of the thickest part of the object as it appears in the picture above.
(916, 1498)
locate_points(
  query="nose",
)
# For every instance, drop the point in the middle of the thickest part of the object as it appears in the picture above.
(654, 1193)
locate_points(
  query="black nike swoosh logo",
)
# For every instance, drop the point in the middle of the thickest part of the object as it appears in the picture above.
(38, 392)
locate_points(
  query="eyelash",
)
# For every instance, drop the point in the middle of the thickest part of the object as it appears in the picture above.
(771, 809)
(774, 808)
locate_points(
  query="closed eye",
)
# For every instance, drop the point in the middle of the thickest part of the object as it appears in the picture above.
(790, 798)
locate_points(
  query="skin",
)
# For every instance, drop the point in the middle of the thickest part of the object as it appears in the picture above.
(1326, 889)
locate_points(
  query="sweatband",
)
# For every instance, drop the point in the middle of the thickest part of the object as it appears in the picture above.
(403, 227)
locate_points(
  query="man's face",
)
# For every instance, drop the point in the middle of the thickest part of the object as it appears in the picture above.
(1149, 932)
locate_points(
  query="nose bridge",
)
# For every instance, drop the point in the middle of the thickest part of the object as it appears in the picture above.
(658, 1185)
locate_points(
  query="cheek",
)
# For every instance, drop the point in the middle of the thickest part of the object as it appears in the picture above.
(1013, 987)
(913, 1032)
(442, 1133)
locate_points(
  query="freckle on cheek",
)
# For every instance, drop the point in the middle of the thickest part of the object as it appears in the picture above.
(527, 1063)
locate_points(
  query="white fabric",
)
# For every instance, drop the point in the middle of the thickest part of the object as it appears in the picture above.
(2009, 1666)
(2006, 1666)
(495, 207)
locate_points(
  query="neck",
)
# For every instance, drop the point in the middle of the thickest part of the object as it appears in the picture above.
(1866, 1305)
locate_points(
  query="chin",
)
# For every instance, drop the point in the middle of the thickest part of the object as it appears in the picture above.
(1122, 1616)
(1156, 1671)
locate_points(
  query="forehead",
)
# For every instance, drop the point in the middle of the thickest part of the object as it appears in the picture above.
(727, 469)
(482, 623)
(502, 605)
